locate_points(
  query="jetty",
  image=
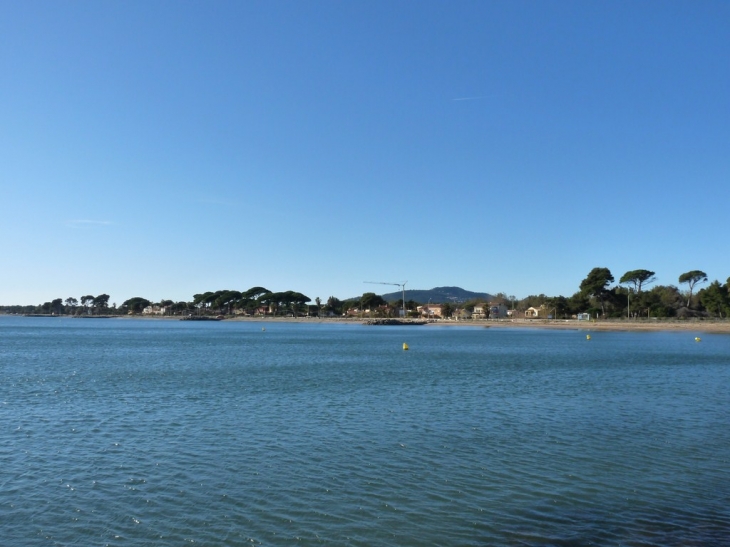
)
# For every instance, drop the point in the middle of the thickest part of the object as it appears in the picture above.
(200, 318)
(395, 322)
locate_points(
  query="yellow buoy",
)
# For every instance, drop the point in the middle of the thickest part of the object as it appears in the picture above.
(698, 339)
(588, 336)
(405, 346)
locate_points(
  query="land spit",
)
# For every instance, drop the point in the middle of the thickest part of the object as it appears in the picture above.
(715, 326)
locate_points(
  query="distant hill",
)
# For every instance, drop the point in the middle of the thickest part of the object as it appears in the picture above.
(438, 295)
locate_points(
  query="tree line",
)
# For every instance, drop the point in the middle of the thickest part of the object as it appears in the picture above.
(88, 304)
(632, 297)
(222, 302)
(597, 295)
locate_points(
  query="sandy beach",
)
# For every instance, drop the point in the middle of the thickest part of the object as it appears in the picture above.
(709, 326)
(716, 326)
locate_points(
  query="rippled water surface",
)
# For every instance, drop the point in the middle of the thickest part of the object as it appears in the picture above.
(125, 432)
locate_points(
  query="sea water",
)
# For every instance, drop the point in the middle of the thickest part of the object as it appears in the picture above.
(167, 433)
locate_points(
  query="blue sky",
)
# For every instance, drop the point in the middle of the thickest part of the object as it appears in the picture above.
(161, 149)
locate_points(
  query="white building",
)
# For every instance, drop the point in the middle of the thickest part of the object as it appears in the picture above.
(497, 311)
(154, 310)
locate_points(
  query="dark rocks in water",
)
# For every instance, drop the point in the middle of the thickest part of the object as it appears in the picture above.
(200, 318)
(393, 322)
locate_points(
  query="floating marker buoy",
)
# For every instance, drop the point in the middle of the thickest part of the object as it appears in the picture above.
(588, 336)
(698, 339)
(263, 328)
(405, 346)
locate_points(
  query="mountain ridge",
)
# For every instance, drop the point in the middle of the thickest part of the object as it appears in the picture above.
(438, 295)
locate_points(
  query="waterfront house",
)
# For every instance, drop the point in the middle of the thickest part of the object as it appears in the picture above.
(461, 314)
(497, 311)
(431, 311)
(154, 310)
(533, 313)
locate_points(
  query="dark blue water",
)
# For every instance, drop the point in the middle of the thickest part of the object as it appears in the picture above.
(124, 432)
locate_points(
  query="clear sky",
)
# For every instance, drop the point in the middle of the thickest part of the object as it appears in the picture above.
(162, 149)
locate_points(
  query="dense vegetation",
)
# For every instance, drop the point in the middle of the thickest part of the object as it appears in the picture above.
(596, 295)
(631, 297)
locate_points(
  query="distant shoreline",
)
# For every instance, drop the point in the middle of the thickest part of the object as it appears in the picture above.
(648, 325)
(717, 326)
